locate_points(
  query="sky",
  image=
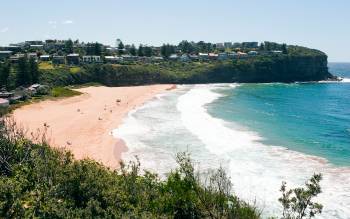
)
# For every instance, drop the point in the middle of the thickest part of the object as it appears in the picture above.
(320, 24)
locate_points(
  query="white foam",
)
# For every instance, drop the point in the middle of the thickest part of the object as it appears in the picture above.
(257, 170)
(345, 80)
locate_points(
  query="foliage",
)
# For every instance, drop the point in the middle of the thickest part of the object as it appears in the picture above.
(297, 203)
(63, 92)
(41, 182)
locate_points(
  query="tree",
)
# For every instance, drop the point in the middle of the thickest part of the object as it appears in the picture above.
(132, 50)
(97, 49)
(68, 46)
(186, 47)
(148, 51)
(121, 48)
(5, 69)
(23, 76)
(34, 71)
(166, 50)
(284, 49)
(297, 203)
(262, 47)
(140, 51)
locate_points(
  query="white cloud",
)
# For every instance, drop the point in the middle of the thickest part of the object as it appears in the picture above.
(52, 22)
(4, 30)
(67, 22)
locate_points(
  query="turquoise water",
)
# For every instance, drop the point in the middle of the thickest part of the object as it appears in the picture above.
(310, 118)
(261, 134)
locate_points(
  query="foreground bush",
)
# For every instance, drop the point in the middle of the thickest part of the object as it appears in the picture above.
(37, 181)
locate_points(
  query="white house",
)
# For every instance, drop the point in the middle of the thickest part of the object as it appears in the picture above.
(173, 57)
(252, 53)
(4, 103)
(91, 59)
(45, 58)
(185, 58)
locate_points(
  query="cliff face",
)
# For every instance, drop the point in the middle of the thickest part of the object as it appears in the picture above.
(300, 64)
(272, 69)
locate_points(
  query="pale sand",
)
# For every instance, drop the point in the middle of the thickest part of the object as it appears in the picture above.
(83, 124)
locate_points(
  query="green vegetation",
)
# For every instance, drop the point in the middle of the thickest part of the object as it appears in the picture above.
(37, 181)
(63, 92)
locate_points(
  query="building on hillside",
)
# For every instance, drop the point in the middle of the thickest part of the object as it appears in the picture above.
(173, 57)
(16, 57)
(222, 56)
(227, 45)
(157, 59)
(33, 55)
(37, 47)
(242, 55)
(129, 58)
(213, 56)
(73, 59)
(220, 46)
(14, 49)
(5, 55)
(113, 59)
(45, 58)
(5, 94)
(4, 103)
(237, 45)
(92, 59)
(185, 58)
(194, 57)
(277, 52)
(232, 55)
(253, 53)
(58, 60)
(250, 45)
(203, 56)
(33, 42)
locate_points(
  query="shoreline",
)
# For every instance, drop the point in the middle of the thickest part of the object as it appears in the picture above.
(83, 124)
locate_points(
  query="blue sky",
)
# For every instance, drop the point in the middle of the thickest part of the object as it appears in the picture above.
(321, 24)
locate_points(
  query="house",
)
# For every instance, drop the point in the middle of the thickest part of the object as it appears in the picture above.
(33, 56)
(37, 47)
(4, 103)
(194, 57)
(45, 58)
(173, 57)
(58, 60)
(242, 55)
(73, 59)
(227, 45)
(113, 59)
(203, 56)
(232, 55)
(5, 55)
(185, 58)
(213, 56)
(220, 46)
(277, 52)
(157, 59)
(16, 57)
(253, 53)
(222, 56)
(91, 59)
(129, 58)
(5, 94)
(250, 45)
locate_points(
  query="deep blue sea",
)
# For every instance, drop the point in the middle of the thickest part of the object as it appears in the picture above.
(262, 134)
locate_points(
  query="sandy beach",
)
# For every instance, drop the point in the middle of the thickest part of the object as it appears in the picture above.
(83, 124)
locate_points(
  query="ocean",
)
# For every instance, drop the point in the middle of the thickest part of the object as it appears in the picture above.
(262, 134)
